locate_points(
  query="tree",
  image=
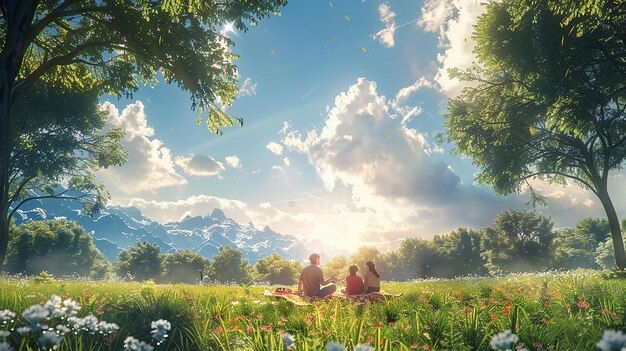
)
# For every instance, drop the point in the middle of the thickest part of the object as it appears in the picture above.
(182, 267)
(418, 258)
(60, 137)
(364, 254)
(518, 241)
(604, 255)
(56, 246)
(576, 247)
(461, 250)
(114, 47)
(337, 267)
(229, 266)
(143, 261)
(549, 100)
(274, 269)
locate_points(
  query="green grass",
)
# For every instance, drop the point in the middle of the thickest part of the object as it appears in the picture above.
(560, 311)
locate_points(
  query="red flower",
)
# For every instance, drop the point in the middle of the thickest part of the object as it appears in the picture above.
(414, 346)
(219, 329)
(249, 328)
(259, 316)
(378, 325)
(265, 327)
(583, 304)
(426, 347)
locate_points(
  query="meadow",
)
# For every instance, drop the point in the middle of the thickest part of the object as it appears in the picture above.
(550, 311)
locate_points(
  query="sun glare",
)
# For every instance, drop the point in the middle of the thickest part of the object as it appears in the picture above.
(228, 28)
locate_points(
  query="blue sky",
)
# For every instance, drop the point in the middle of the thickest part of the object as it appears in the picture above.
(341, 102)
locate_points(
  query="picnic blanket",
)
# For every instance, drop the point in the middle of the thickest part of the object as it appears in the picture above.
(293, 297)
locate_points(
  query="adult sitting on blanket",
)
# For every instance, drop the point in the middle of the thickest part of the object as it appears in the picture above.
(371, 278)
(354, 283)
(312, 278)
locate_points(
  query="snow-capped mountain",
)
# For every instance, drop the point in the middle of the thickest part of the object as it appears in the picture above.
(118, 228)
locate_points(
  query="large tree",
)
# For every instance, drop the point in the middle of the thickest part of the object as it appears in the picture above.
(548, 99)
(143, 261)
(114, 47)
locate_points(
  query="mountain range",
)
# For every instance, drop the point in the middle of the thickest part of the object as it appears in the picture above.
(118, 228)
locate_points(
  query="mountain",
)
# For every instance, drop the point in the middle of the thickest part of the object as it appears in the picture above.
(118, 228)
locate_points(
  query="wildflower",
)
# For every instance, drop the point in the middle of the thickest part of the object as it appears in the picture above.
(132, 344)
(160, 329)
(5, 346)
(583, 304)
(288, 341)
(107, 328)
(335, 346)
(23, 330)
(49, 340)
(61, 329)
(35, 314)
(361, 347)
(6, 316)
(503, 341)
(612, 341)
(235, 303)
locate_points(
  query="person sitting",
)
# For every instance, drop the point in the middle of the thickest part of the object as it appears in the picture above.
(354, 283)
(312, 278)
(371, 278)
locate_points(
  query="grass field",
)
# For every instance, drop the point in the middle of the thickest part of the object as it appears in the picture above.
(557, 311)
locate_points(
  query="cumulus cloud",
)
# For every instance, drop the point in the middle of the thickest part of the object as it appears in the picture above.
(233, 161)
(393, 179)
(150, 166)
(248, 88)
(286, 162)
(406, 92)
(453, 21)
(200, 165)
(387, 16)
(275, 148)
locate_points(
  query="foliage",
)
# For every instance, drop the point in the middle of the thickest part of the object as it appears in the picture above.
(336, 267)
(182, 267)
(556, 311)
(142, 261)
(461, 250)
(419, 258)
(549, 98)
(229, 266)
(603, 254)
(518, 242)
(274, 269)
(575, 247)
(59, 247)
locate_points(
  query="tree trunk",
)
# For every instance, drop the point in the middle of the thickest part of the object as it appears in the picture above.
(19, 16)
(616, 233)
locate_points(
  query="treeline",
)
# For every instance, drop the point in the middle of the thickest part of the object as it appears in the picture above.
(517, 241)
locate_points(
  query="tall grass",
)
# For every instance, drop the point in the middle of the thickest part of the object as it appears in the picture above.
(557, 311)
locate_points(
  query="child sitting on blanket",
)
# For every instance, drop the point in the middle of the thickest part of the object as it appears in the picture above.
(354, 283)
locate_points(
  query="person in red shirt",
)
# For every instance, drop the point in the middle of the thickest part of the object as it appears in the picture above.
(354, 283)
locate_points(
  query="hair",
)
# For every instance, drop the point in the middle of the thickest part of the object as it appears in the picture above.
(353, 269)
(372, 268)
(314, 257)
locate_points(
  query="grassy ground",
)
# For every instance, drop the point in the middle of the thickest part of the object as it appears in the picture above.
(565, 311)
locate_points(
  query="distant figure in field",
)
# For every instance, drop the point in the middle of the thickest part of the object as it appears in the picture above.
(129, 277)
(354, 283)
(312, 278)
(371, 278)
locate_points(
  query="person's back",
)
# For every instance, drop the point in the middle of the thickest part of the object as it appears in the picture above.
(354, 285)
(311, 277)
(371, 278)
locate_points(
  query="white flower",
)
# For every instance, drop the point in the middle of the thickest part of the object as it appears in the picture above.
(23, 330)
(70, 308)
(612, 341)
(6, 316)
(363, 348)
(35, 314)
(132, 344)
(235, 303)
(503, 341)
(4, 334)
(49, 340)
(54, 305)
(107, 328)
(90, 322)
(335, 346)
(288, 341)
(62, 330)
(160, 329)
(5, 346)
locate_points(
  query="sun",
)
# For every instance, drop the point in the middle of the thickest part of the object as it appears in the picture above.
(229, 27)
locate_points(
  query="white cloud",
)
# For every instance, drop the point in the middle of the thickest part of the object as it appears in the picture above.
(248, 88)
(406, 92)
(150, 166)
(233, 161)
(200, 165)
(453, 21)
(277, 168)
(385, 36)
(286, 162)
(275, 148)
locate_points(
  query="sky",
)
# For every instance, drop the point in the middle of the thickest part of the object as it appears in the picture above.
(342, 103)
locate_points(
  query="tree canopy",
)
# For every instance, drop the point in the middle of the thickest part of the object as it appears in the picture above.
(549, 98)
